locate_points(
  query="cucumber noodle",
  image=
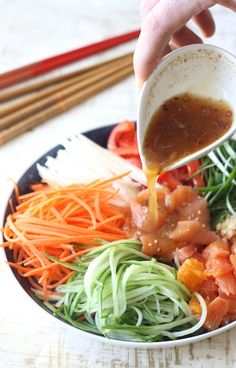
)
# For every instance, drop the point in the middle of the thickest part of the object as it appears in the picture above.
(119, 292)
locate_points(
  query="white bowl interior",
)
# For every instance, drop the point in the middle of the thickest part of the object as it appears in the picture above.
(203, 70)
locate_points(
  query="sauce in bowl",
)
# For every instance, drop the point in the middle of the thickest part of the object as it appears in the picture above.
(182, 125)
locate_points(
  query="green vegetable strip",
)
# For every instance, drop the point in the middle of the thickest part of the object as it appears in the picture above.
(201, 320)
(120, 293)
(229, 205)
(219, 169)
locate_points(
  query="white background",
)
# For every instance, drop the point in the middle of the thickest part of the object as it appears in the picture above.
(31, 30)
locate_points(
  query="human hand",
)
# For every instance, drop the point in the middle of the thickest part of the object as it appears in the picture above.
(163, 23)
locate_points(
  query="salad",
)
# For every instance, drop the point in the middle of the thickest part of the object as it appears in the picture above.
(90, 249)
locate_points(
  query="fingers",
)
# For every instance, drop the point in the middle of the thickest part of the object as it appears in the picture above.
(163, 20)
(148, 53)
(160, 23)
(146, 6)
(184, 37)
(205, 22)
(231, 4)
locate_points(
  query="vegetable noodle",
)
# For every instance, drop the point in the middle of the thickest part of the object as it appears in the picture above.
(120, 293)
(61, 221)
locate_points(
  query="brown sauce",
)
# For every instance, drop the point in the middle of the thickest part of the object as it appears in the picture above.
(183, 125)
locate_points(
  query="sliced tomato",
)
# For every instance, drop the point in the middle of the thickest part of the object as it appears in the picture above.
(169, 180)
(181, 173)
(123, 139)
(180, 176)
(192, 168)
(135, 161)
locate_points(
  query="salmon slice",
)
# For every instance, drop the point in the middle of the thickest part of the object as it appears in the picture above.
(154, 245)
(185, 252)
(215, 249)
(218, 266)
(227, 284)
(142, 218)
(228, 318)
(186, 230)
(143, 196)
(180, 196)
(232, 258)
(216, 310)
(192, 231)
(209, 289)
(199, 257)
(182, 220)
(195, 210)
(232, 303)
(205, 236)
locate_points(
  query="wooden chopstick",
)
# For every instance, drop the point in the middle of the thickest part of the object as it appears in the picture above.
(10, 94)
(82, 75)
(44, 66)
(63, 104)
(46, 98)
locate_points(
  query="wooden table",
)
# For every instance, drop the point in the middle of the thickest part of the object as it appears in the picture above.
(30, 30)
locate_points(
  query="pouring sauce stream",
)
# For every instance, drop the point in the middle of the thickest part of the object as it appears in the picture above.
(183, 125)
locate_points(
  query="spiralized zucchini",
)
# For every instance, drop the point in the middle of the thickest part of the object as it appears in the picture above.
(119, 292)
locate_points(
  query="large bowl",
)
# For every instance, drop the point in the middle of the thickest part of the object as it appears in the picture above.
(31, 176)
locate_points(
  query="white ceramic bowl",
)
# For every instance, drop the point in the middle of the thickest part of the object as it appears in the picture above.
(203, 70)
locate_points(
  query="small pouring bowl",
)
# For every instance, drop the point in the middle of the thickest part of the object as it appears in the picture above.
(203, 70)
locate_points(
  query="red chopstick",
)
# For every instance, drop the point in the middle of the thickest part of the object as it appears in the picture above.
(32, 70)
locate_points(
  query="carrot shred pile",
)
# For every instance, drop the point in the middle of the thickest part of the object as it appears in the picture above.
(59, 221)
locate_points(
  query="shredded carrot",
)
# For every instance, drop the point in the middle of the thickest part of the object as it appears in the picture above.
(58, 221)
